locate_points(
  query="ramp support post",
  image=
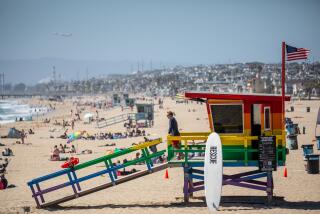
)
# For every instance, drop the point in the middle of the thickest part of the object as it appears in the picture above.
(35, 196)
(186, 170)
(39, 190)
(113, 171)
(109, 172)
(76, 179)
(269, 186)
(72, 183)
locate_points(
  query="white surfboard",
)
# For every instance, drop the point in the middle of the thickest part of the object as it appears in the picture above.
(213, 171)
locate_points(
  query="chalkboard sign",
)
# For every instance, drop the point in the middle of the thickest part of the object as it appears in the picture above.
(267, 153)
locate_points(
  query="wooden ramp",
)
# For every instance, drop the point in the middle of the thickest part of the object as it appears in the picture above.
(74, 181)
(107, 185)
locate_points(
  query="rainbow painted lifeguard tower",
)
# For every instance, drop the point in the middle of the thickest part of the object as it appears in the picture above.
(251, 128)
(246, 123)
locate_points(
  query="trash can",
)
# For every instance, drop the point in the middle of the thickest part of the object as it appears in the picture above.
(307, 149)
(292, 141)
(312, 164)
(308, 109)
(296, 129)
(291, 108)
(290, 129)
(318, 142)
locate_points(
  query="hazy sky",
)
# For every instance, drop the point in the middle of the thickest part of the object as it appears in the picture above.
(187, 32)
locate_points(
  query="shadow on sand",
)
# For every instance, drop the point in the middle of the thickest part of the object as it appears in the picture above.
(236, 202)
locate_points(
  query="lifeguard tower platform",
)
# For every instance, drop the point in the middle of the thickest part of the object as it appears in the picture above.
(252, 132)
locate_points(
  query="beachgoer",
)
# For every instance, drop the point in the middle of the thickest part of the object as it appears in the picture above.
(137, 155)
(55, 154)
(62, 150)
(7, 152)
(72, 124)
(3, 182)
(73, 149)
(23, 135)
(173, 130)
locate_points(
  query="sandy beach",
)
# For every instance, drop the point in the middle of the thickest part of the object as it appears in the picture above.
(298, 193)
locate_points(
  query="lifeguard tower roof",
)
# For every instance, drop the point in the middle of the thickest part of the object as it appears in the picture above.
(246, 114)
(229, 96)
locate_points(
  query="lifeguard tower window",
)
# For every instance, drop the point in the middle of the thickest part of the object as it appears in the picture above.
(267, 122)
(227, 118)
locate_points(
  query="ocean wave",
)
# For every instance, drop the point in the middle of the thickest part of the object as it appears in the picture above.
(10, 111)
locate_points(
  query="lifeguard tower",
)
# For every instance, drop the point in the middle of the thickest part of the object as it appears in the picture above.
(116, 100)
(127, 101)
(145, 111)
(251, 128)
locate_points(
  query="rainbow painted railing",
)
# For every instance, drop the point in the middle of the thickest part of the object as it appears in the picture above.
(238, 150)
(110, 169)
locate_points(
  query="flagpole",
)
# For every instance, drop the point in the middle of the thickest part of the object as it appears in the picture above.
(283, 81)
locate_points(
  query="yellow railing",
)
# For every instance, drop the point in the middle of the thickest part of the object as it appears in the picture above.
(233, 140)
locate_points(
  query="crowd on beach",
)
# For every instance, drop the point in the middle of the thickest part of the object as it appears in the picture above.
(3, 179)
(3, 166)
(55, 156)
(107, 135)
(67, 123)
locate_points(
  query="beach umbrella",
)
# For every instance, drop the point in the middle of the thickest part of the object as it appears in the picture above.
(75, 136)
(87, 117)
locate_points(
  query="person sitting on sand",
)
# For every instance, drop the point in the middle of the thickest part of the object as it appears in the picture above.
(62, 150)
(7, 152)
(56, 123)
(138, 156)
(31, 131)
(55, 154)
(73, 149)
(64, 136)
(3, 182)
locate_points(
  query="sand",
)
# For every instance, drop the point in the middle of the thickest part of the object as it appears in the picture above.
(298, 193)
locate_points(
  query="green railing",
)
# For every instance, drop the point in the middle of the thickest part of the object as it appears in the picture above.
(237, 150)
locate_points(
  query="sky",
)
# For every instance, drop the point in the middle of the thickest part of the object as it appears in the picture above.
(165, 32)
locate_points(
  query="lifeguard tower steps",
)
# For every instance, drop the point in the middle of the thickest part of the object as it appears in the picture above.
(116, 119)
(110, 169)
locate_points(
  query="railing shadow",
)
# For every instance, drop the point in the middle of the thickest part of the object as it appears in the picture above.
(234, 203)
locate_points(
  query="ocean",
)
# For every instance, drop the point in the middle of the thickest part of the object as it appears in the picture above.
(12, 110)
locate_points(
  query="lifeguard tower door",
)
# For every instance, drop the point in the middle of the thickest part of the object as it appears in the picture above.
(255, 126)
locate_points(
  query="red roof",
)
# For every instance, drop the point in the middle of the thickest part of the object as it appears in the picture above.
(226, 96)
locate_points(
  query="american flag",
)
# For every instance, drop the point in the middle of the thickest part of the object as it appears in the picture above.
(296, 53)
